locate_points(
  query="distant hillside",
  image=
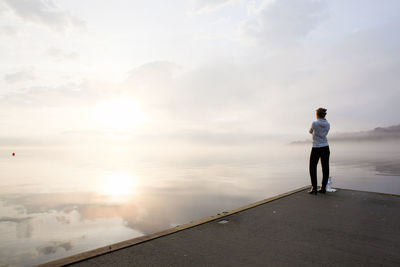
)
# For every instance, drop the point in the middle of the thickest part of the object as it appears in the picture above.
(377, 134)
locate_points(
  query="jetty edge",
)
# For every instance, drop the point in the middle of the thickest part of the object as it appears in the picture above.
(134, 241)
(345, 228)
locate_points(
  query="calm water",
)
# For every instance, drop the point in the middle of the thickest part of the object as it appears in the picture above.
(55, 202)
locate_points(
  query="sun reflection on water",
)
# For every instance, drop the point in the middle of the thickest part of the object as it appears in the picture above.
(118, 186)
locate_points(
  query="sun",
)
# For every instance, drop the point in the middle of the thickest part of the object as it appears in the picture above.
(118, 113)
(119, 184)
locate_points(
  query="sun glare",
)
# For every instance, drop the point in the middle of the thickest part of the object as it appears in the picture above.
(118, 113)
(119, 184)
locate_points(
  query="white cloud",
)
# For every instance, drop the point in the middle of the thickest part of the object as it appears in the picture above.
(210, 5)
(20, 76)
(353, 74)
(3, 9)
(8, 30)
(43, 12)
(218, 93)
(68, 94)
(356, 79)
(153, 69)
(283, 21)
(60, 54)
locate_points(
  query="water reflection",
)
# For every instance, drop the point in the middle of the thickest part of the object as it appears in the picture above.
(41, 227)
(58, 205)
(51, 249)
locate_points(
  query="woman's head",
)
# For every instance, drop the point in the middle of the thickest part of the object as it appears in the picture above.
(321, 113)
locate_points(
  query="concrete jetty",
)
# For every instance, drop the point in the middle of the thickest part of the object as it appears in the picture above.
(345, 228)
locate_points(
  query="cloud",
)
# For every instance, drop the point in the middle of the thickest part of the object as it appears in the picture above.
(8, 30)
(3, 9)
(210, 5)
(283, 21)
(43, 12)
(60, 54)
(70, 94)
(161, 69)
(220, 92)
(255, 90)
(210, 85)
(20, 76)
(264, 92)
(153, 82)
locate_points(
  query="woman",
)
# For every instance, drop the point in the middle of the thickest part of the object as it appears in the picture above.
(320, 150)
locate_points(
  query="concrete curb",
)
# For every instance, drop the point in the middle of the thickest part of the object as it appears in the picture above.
(130, 242)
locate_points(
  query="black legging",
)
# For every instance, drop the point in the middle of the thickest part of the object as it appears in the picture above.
(316, 154)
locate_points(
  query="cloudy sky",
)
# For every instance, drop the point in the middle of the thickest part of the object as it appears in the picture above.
(196, 67)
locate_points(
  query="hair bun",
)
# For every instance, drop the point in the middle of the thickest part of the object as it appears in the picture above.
(321, 112)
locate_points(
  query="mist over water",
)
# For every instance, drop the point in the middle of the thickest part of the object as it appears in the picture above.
(159, 116)
(59, 201)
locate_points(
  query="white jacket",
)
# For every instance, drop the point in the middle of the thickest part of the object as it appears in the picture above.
(319, 130)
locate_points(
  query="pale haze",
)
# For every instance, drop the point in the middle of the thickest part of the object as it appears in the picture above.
(131, 117)
(196, 67)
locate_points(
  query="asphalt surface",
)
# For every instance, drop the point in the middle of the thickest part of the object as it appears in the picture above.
(345, 228)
